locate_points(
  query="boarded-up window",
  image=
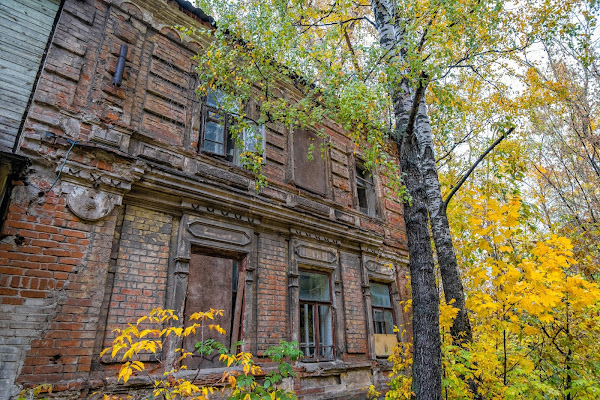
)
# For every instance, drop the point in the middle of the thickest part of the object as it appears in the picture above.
(25, 26)
(212, 283)
(309, 165)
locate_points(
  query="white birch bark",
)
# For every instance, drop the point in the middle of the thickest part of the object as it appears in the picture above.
(451, 280)
(427, 369)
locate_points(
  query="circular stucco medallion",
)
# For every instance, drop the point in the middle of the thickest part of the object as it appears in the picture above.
(90, 204)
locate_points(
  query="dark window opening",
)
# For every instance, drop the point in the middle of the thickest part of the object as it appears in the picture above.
(213, 283)
(365, 190)
(316, 316)
(383, 312)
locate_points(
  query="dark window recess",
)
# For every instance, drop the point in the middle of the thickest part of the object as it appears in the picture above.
(365, 190)
(213, 283)
(316, 319)
(383, 313)
(217, 137)
(309, 174)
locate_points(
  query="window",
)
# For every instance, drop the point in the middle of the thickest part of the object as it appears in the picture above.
(217, 137)
(212, 283)
(365, 190)
(383, 313)
(316, 317)
(253, 140)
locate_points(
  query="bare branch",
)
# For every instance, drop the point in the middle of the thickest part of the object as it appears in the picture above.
(470, 171)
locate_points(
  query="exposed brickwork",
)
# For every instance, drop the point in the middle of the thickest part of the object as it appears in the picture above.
(272, 315)
(50, 289)
(169, 93)
(276, 153)
(141, 276)
(393, 211)
(342, 189)
(356, 330)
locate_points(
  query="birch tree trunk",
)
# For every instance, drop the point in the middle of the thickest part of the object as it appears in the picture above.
(451, 280)
(427, 365)
(427, 362)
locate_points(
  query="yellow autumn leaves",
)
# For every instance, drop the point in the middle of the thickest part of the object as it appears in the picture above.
(533, 315)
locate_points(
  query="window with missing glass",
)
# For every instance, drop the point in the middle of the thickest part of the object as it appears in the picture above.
(217, 131)
(383, 312)
(316, 316)
(365, 190)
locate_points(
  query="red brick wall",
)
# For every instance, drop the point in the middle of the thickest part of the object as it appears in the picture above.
(272, 318)
(141, 274)
(356, 328)
(53, 266)
(51, 286)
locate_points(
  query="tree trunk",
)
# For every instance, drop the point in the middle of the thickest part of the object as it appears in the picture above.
(427, 362)
(427, 359)
(451, 280)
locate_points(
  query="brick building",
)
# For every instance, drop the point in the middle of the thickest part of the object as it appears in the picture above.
(120, 199)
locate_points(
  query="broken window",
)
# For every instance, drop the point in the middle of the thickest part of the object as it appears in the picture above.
(217, 136)
(316, 316)
(383, 313)
(309, 165)
(213, 283)
(365, 190)
(383, 319)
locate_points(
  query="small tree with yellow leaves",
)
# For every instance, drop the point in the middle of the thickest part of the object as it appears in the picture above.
(244, 377)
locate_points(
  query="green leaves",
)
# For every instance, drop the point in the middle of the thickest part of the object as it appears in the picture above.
(209, 346)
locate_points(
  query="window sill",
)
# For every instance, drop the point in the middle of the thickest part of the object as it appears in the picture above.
(217, 156)
(324, 368)
(313, 366)
(374, 218)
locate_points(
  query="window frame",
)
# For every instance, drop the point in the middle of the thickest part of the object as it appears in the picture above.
(362, 182)
(224, 121)
(231, 152)
(383, 309)
(314, 306)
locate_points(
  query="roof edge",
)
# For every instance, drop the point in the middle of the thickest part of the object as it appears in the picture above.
(196, 11)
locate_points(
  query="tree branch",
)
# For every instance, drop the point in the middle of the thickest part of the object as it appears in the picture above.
(419, 93)
(470, 171)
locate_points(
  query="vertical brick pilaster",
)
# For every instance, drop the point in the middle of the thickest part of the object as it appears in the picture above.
(272, 315)
(356, 335)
